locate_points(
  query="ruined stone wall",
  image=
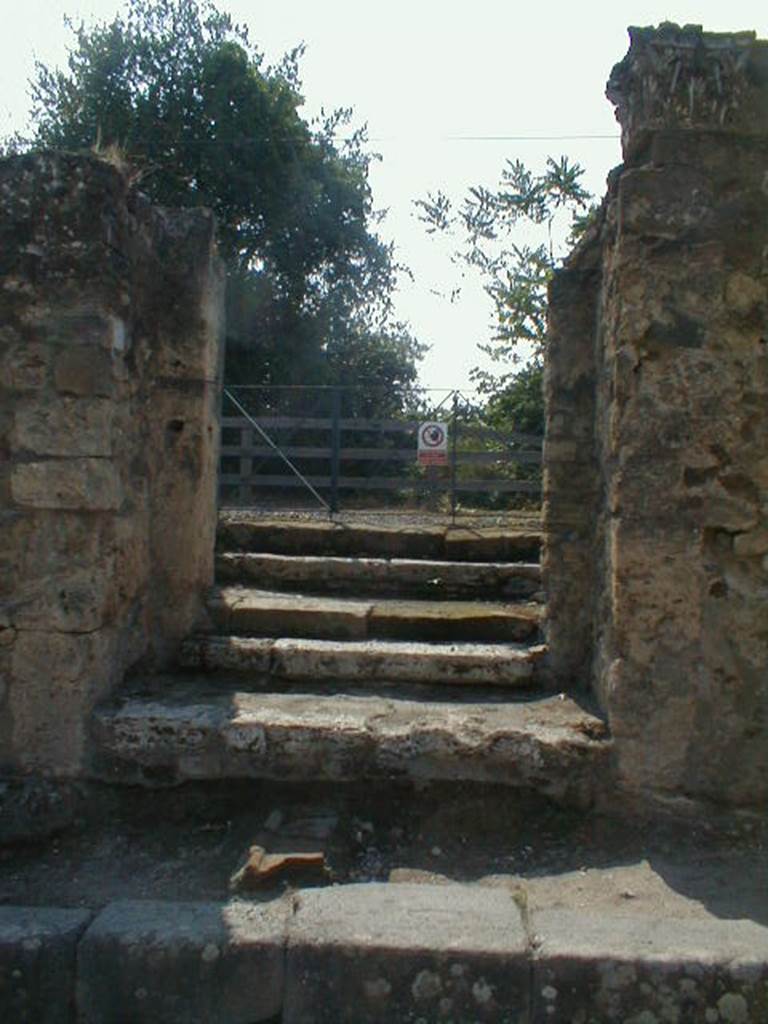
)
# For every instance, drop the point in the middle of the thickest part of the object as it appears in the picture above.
(671, 629)
(109, 354)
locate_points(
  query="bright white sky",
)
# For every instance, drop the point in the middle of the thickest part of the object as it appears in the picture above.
(421, 73)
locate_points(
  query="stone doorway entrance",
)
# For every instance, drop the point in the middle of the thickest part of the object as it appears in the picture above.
(351, 650)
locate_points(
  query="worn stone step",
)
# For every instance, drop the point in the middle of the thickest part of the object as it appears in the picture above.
(245, 611)
(409, 577)
(366, 661)
(312, 537)
(196, 732)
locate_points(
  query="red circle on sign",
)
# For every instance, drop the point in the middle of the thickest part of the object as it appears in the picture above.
(432, 435)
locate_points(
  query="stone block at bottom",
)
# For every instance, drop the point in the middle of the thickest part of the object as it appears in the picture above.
(361, 954)
(37, 964)
(148, 962)
(643, 969)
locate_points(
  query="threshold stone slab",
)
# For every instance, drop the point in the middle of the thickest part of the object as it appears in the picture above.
(37, 964)
(550, 744)
(380, 952)
(646, 969)
(152, 962)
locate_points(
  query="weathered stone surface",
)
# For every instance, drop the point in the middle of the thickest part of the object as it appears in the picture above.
(404, 577)
(316, 538)
(648, 970)
(478, 621)
(272, 613)
(37, 964)
(24, 366)
(491, 545)
(228, 654)
(78, 602)
(550, 744)
(686, 78)
(162, 963)
(84, 370)
(55, 680)
(377, 953)
(367, 661)
(72, 427)
(658, 376)
(91, 485)
(478, 544)
(372, 660)
(108, 441)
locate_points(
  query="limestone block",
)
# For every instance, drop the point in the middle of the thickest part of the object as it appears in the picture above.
(37, 964)
(84, 371)
(81, 324)
(55, 679)
(65, 426)
(24, 365)
(665, 203)
(751, 543)
(656, 592)
(162, 963)
(38, 546)
(646, 970)
(88, 484)
(79, 601)
(743, 293)
(359, 954)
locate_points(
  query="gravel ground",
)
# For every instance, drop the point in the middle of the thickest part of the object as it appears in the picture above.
(184, 844)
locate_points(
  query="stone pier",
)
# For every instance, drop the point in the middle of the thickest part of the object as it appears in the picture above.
(110, 323)
(656, 460)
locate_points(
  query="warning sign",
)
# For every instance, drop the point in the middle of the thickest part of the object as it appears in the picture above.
(433, 444)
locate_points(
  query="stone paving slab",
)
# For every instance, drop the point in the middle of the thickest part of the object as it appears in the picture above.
(648, 969)
(37, 964)
(549, 744)
(364, 953)
(148, 962)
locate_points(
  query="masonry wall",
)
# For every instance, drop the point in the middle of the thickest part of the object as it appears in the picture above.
(110, 325)
(660, 571)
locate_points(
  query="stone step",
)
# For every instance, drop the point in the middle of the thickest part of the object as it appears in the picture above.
(385, 952)
(249, 612)
(403, 577)
(366, 661)
(550, 744)
(311, 537)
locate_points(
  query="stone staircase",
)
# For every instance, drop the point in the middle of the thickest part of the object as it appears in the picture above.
(348, 651)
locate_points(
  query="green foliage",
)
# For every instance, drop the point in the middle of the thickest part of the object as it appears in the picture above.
(178, 87)
(519, 402)
(516, 274)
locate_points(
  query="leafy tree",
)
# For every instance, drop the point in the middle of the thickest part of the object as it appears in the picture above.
(515, 274)
(178, 87)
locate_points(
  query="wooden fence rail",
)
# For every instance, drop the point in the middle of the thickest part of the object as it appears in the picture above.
(348, 460)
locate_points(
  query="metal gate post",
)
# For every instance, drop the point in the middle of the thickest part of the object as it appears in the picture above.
(335, 447)
(454, 429)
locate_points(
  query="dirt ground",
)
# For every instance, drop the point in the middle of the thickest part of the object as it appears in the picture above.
(184, 844)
